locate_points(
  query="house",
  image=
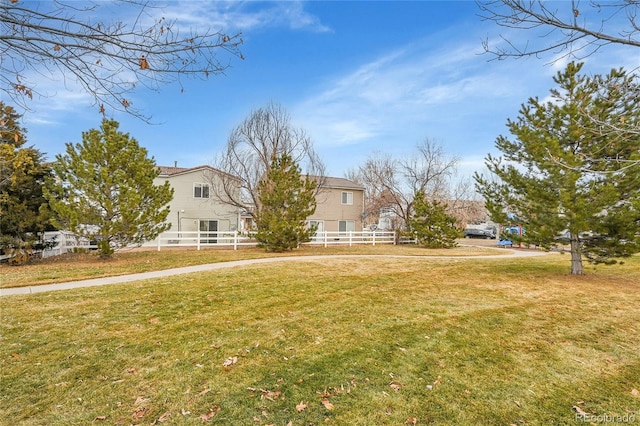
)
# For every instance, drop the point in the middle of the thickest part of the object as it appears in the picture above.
(339, 206)
(193, 207)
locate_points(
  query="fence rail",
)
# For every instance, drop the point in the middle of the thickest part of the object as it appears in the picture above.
(235, 239)
(65, 242)
(350, 238)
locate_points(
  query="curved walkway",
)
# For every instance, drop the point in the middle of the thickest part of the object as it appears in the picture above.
(119, 279)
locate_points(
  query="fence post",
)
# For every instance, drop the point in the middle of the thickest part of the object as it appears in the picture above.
(374, 237)
(350, 237)
(159, 241)
(235, 239)
(198, 239)
(395, 241)
(325, 239)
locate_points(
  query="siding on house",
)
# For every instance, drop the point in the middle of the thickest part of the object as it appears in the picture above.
(193, 206)
(340, 205)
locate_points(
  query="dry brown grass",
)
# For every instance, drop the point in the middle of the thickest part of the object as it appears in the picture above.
(384, 341)
(73, 267)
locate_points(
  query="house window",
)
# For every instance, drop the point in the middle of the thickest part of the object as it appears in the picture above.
(347, 198)
(200, 190)
(345, 226)
(208, 231)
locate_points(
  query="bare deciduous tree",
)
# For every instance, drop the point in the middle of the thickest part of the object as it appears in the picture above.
(569, 28)
(376, 175)
(67, 41)
(266, 134)
(392, 184)
(465, 204)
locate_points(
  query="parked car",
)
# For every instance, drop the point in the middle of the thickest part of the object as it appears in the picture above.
(487, 232)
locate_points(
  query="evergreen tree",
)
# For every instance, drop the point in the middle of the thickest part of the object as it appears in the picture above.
(574, 167)
(431, 225)
(106, 191)
(286, 200)
(24, 212)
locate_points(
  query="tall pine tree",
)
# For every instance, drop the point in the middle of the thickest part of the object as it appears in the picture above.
(106, 190)
(573, 166)
(24, 212)
(285, 202)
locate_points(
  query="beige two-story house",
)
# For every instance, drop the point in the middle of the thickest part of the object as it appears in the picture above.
(339, 206)
(193, 207)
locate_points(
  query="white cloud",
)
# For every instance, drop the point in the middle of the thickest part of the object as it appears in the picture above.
(409, 87)
(240, 15)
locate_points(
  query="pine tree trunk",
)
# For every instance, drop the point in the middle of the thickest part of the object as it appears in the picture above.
(576, 255)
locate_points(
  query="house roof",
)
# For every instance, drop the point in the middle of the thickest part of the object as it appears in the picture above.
(328, 182)
(167, 171)
(340, 183)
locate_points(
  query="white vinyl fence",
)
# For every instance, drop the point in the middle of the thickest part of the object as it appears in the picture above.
(235, 239)
(65, 242)
(351, 237)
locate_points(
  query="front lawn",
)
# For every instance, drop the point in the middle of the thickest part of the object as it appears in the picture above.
(80, 266)
(344, 341)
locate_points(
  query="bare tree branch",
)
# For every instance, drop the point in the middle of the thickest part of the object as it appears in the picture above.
(572, 29)
(392, 184)
(251, 147)
(108, 60)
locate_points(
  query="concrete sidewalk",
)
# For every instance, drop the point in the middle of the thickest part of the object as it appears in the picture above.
(120, 279)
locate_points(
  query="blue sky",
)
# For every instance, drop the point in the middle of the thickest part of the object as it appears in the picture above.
(358, 76)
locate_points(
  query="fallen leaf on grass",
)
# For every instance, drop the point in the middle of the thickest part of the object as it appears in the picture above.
(302, 406)
(154, 320)
(326, 394)
(271, 395)
(163, 418)
(579, 410)
(140, 400)
(204, 392)
(411, 421)
(192, 399)
(438, 381)
(327, 404)
(635, 392)
(211, 414)
(139, 413)
(395, 386)
(230, 361)
(100, 418)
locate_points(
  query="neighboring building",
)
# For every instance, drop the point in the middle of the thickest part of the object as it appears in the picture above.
(194, 208)
(340, 206)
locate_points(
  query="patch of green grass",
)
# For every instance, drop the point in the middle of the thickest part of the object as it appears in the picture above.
(357, 341)
(80, 266)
